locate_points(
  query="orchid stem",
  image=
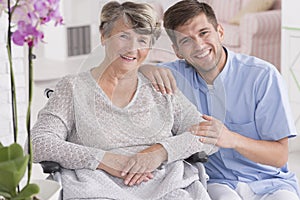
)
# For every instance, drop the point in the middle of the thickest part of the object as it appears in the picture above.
(12, 78)
(30, 75)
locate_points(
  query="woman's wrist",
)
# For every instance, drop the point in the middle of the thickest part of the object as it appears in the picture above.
(157, 148)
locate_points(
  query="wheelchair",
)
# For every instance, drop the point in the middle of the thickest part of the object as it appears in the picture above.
(54, 169)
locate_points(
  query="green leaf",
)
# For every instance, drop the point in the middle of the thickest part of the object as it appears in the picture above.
(11, 173)
(11, 152)
(13, 165)
(28, 191)
(3, 189)
(5, 194)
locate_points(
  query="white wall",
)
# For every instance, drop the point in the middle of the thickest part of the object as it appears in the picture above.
(290, 58)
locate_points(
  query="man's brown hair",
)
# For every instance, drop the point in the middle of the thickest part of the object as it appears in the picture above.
(181, 12)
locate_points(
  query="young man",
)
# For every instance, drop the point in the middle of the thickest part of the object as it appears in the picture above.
(244, 102)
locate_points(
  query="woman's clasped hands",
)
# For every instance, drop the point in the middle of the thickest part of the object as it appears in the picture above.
(137, 168)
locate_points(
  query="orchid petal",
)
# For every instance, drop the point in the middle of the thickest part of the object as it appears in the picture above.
(18, 38)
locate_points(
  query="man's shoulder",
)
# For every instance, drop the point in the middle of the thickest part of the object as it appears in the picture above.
(180, 66)
(175, 63)
(250, 64)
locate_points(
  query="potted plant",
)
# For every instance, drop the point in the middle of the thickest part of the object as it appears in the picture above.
(25, 18)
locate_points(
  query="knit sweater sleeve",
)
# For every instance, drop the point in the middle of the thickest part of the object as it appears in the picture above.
(55, 123)
(183, 143)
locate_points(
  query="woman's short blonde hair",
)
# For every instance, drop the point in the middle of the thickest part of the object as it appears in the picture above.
(140, 16)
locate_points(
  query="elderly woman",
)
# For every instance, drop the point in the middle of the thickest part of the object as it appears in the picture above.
(115, 136)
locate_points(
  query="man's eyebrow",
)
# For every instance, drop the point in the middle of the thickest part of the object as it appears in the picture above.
(202, 29)
(186, 37)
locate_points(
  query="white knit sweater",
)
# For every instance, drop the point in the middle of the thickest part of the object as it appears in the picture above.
(79, 124)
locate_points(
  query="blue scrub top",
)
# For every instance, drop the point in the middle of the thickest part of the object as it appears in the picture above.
(250, 98)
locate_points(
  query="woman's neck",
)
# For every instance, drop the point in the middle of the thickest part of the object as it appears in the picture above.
(119, 86)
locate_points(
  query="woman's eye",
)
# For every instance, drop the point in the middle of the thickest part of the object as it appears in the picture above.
(124, 36)
(145, 42)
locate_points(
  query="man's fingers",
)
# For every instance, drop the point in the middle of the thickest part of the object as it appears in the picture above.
(172, 80)
(204, 127)
(208, 140)
(159, 82)
(169, 81)
(165, 81)
(152, 79)
(208, 118)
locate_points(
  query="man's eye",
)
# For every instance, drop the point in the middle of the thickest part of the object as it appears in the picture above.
(203, 33)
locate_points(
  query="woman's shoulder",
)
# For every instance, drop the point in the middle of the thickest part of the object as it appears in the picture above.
(145, 87)
(71, 79)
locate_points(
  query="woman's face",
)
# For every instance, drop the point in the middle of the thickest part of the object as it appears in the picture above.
(124, 48)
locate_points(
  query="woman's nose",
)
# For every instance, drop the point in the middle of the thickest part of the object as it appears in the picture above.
(132, 45)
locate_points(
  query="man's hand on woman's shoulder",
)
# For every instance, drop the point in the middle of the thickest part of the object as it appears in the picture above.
(162, 78)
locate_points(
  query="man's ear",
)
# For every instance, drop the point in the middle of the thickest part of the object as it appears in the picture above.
(176, 50)
(220, 31)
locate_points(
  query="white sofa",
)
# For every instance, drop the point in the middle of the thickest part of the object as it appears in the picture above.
(258, 33)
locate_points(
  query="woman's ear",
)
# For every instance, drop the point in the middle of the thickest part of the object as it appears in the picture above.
(102, 40)
(177, 52)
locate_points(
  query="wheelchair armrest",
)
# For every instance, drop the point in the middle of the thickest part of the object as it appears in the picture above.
(50, 167)
(48, 92)
(198, 157)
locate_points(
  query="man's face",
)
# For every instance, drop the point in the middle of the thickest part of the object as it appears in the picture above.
(200, 44)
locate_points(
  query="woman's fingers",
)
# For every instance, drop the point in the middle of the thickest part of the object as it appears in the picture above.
(143, 178)
(128, 167)
(134, 175)
(136, 179)
(132, 179)
(137, 176)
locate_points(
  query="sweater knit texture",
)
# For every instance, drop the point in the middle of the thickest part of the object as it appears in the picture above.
(80, 123)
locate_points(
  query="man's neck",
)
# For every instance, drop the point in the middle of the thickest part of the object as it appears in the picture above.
(210, 76)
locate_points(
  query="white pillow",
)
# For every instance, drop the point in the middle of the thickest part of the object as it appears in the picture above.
(252, 7)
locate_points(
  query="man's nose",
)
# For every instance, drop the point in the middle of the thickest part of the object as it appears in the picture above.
(198, 41)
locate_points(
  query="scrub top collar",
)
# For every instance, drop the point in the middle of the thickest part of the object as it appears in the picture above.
(200, 82)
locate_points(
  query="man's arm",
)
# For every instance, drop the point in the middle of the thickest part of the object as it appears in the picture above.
(212, 131)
